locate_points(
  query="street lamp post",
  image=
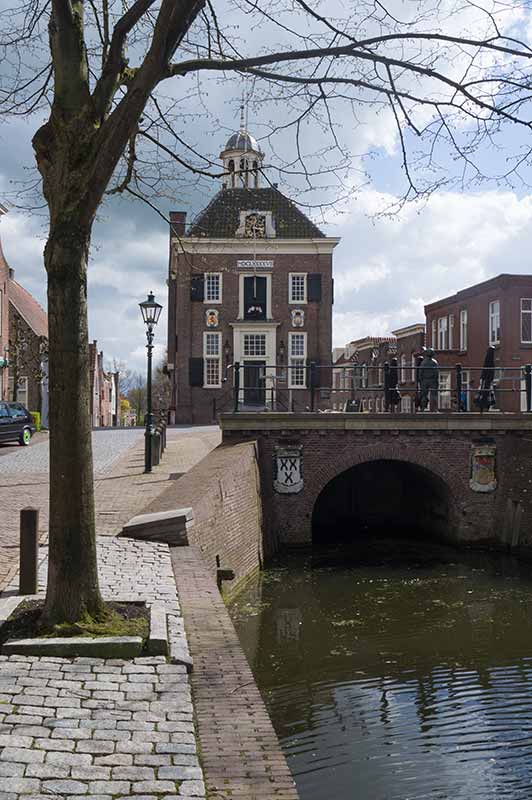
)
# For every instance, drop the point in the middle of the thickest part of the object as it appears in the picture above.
(151, 312)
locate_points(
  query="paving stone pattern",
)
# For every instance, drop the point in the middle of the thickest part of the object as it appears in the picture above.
(104, 728)
(121, 487)
(241, 756)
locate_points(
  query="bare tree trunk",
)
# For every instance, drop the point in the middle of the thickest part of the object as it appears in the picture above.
(72, 590)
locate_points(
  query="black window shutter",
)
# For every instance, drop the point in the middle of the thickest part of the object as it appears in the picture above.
(197, 291)
(332, 291)
(314, 287)
(255, 297)
(195, 371)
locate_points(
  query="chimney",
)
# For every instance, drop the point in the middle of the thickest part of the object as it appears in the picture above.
(11, 274)
(177, 223)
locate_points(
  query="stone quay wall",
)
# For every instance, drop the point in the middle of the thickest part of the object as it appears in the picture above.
(442, 444)
(224, 493)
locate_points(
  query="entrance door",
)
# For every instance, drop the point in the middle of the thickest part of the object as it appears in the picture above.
(254, 383)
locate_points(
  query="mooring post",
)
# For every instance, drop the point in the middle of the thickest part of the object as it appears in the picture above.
(29, 551)
(528, 386)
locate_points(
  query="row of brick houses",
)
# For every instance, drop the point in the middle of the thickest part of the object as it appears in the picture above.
(105, 392)
(23, 343)
(24, 355)
(459, 328)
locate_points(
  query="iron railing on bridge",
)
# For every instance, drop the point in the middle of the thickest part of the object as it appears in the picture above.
(333, 387)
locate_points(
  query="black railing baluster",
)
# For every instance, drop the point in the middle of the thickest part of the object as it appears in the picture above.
(459, 405)
(528, 386)
(237, 385)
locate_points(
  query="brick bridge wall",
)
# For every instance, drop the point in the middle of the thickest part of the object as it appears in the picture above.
(224, 492)
(439, 443)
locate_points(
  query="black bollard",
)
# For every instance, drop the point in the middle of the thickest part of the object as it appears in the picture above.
(29, 549)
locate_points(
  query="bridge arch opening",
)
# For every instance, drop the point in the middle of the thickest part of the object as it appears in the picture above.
(382, 498)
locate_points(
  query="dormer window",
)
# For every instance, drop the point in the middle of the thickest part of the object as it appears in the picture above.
(255, 226)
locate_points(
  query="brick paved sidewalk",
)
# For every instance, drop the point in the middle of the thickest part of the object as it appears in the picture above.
(241, 755)
(102, 728)
(121, 492)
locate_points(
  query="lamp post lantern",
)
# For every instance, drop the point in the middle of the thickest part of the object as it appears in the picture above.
(151, 311)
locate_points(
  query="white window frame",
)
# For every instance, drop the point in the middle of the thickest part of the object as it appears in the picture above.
(442, 333)
(450, 341)
(209, 358)
(260, 335)
(413, 368)
(527, 311)
(297, 361)
(406, 404)
(402, 368)
(434, 334)
(303, 275)
(494, 313)
(463, 330)
(444, 390)
(209, 300)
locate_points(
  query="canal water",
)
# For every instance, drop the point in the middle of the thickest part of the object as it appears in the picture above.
(405, 675)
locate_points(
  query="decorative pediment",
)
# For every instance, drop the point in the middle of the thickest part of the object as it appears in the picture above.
(256, 224)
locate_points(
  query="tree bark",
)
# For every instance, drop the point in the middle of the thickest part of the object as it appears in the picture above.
(72, 590)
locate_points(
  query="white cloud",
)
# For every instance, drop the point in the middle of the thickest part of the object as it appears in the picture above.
(387, 269)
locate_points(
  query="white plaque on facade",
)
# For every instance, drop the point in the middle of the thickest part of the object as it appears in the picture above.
(253, 265)
(288, 470)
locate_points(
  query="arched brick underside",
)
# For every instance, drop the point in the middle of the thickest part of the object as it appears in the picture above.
(473, 517)
(383, 497)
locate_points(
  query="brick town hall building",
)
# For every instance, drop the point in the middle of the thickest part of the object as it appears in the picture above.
(249, 282)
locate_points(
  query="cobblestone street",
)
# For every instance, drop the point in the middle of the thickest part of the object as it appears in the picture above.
(122, 490)
(103, 727)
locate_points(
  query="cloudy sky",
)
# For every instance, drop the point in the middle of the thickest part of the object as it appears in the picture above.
(386, 267)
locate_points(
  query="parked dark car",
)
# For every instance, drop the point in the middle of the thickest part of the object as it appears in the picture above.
(16, 423)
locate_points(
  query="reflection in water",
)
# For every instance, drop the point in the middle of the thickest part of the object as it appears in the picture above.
(397, 682)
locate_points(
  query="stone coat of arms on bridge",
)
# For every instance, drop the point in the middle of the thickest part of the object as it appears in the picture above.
(483, 477)
(288, 470)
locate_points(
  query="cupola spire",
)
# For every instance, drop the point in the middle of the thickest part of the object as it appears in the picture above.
(242, 157)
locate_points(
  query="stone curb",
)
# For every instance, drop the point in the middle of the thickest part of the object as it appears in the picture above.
(73, 646)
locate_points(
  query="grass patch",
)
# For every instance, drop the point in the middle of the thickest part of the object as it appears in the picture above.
(117, 619)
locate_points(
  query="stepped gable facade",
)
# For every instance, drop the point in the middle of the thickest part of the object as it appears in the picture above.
(250, 283)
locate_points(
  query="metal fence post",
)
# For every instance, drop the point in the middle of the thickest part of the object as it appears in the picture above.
(237, 385)
(528, 386)
(459, 388)
(312, 377)
(29, 548)
(386, 386)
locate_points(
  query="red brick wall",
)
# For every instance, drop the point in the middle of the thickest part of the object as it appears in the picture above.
(224, 492)
(508, 289)
(185, 339)
(326, 453)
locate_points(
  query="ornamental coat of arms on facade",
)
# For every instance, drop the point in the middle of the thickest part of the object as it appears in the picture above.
(288, 470)
(483, 477)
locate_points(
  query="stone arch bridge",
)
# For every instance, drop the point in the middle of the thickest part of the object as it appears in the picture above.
(464, 478)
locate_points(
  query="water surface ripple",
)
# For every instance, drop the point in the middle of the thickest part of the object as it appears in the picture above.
(397, 681)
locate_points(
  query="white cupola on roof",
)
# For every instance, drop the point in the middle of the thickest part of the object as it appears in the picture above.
(242, 159)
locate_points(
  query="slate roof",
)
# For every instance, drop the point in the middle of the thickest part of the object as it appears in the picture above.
(221, 218)
(29, 309)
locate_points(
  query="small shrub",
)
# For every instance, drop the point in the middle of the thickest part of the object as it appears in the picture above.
(36, 419)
